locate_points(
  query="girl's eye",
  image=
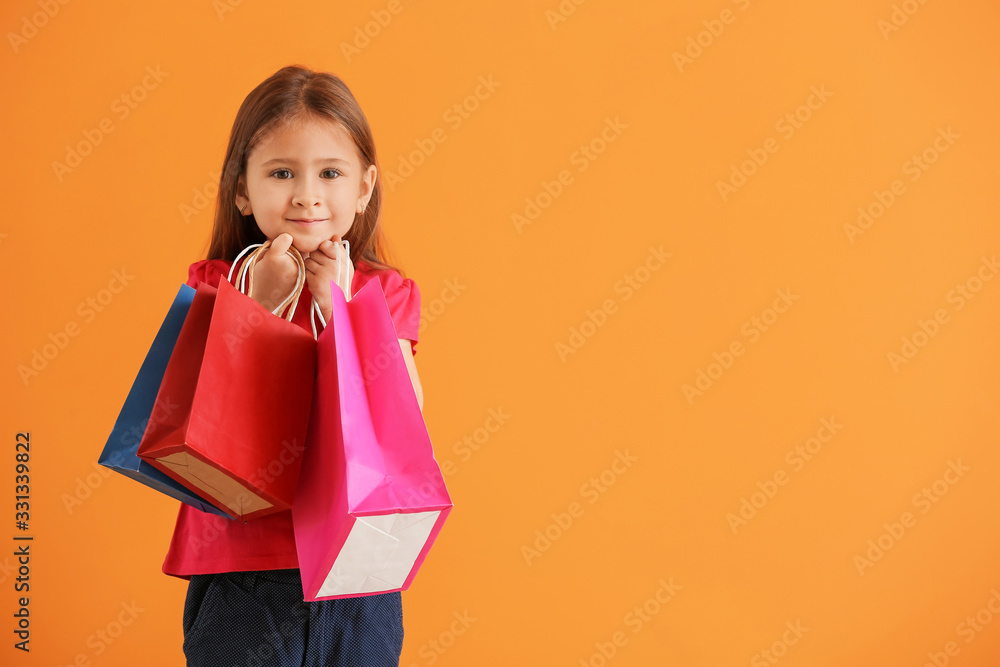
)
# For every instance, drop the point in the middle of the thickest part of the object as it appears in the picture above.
(332, 171)
(281, 171)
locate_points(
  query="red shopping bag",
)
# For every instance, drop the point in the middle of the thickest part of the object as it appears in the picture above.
(371, 497)
(244, 380)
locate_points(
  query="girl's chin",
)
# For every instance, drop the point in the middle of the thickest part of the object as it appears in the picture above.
(305, 245)
(305, 248)
(307, 242)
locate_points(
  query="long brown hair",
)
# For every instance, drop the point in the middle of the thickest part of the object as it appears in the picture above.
(293, 92)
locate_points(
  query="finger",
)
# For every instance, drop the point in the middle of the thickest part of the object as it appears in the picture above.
(317, 270)
(281, 243)
(331, 250)
(320, 262)
(317, 265)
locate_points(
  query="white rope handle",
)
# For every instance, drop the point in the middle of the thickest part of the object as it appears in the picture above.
(313, 314)
(246, 269)
(315, 311)
(237, 261)
(291, 301)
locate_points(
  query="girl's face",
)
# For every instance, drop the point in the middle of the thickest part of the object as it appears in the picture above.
(305, 178)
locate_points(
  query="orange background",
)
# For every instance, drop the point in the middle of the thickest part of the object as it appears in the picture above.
(794, 562)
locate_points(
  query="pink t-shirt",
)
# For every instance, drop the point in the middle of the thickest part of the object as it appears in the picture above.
(204, 543)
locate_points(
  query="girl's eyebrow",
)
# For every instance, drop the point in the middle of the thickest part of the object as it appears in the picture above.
(288, 160)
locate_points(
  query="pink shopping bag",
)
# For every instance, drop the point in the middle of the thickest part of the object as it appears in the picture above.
(371, 498)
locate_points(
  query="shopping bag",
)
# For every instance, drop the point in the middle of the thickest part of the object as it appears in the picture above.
(244, 381)
(371, 498)
(119, 452)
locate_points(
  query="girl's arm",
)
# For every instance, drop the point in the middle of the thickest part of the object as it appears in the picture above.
(411, 365)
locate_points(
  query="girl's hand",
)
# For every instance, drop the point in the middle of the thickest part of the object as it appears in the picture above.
(329, 262)
(275, 274)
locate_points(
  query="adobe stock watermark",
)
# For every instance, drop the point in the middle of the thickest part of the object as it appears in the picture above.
(958, 297)
(467, 446)
(591, 491)
(713, 28)
(122, 107)
(214, 526)
(253, 318)
(267, 652)
(59, 340)
(637, 618)
(779, 648)
(104, 637)
(797, 457)
(223, 7)
(581, 158)
(433, 649)
(786, 126)
(289, 455)
(924, 500)
(245, 325)
(201, 197)
(365, 34)
(373, 366)
(206, 195)
(455, 116)
(968, 629)
(85, 486)
(915, 166)
(435, 308)
(626, 286)
(752, 330)
(38, 20)
(561, 12)
(7, 568)
(898, 17)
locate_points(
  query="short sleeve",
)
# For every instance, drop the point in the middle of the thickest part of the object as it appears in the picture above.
(207, 271)
(403, 298)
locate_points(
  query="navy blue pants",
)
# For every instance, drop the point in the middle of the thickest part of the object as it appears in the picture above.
(258, 619)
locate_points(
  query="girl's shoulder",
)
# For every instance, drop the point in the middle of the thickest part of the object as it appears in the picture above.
(401, 295)
(209, 271)
(394, 285)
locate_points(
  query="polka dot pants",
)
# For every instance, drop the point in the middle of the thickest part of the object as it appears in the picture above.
(258, 619)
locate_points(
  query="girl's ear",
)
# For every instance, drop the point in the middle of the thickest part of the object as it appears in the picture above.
(241, 197)
(367, 187)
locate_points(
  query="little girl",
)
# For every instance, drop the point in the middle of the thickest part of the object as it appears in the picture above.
(300, 170)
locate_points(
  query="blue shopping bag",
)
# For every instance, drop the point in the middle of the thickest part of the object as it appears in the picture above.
(120, 451)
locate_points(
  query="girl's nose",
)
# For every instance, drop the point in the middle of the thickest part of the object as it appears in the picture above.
(305, 194)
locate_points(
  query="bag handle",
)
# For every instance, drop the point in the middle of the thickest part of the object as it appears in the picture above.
(246, 274)
(292, 299)
(314, 311)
